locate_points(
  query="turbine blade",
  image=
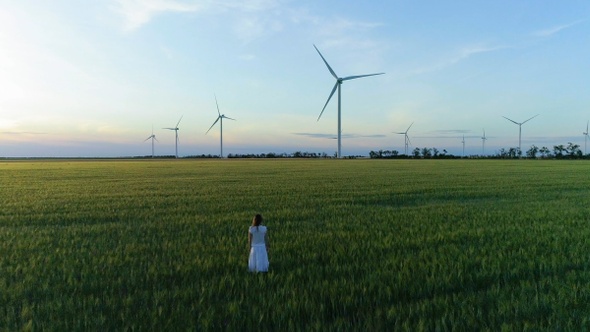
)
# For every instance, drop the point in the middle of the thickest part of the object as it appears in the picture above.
(170, 128)
(408, 138)
(327, 101)
(179, 121)
(359, 76)
(219, 117)
(147, 138)
(530, 119)
(216, 104)
(511, 120)
(225, 117)
(156, 139)
(326, 62)
(409, 128)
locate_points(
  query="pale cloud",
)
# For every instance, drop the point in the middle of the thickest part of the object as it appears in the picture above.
(253, 27)
(333, 136)
(340, 32)
(247, 57)
(338, 26)
(470, 51)
(457, 56)
(7, 123)
(556, 29)
(246, 5)
(139, 12)
(252, 18)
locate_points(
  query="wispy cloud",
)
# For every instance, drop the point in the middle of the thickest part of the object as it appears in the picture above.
(23, 133)
(251, 18)
(246, 5)
(139, 12)
(556, 29)
(449, 134)
(332, 136)
(451, 131)
(458, 56)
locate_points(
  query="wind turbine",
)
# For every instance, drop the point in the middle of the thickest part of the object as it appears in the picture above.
(220, 118)
(520, 129)
(152, 137)
(483, 143)
(463, 141)
(338, 85)
(407, 139)
(585, 137)
(176, 131)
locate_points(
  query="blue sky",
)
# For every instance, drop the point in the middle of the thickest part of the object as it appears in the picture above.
(91, 78)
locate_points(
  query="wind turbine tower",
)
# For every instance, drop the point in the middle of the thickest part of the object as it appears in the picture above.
(520, 129)
(220, 118)
(176, 131)
(406, 138)
(152, 137)
(338, 85)
(585, 137)
(483, 143)
(463, 142)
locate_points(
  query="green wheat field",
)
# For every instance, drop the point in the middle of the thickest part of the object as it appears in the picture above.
(355, 245)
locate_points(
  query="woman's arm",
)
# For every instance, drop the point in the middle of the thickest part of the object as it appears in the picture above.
(249, 239)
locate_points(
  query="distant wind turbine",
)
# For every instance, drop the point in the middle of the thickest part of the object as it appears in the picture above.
(176, 131)
(220, 118)
(463, 141)
(520, 129)
(152, 137)
(483, 143)
(585, 137)
(406, 138)
(338, 85)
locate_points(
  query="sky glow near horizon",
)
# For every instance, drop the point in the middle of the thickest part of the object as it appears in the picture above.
(91, 79)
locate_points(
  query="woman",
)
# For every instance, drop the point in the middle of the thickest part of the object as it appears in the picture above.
(258, 242)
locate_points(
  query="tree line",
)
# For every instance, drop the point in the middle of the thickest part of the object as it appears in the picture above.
(569, 151)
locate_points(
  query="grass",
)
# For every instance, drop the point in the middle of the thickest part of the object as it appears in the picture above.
(356, 244)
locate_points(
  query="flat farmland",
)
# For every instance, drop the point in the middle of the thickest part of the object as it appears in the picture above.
(355, 245)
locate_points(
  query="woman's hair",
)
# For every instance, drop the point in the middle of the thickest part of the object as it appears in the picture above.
(257, 220)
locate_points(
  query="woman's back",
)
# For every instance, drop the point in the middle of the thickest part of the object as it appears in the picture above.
(258, 233)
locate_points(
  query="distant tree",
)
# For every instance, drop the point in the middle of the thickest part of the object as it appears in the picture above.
(435, 152)
(512, 152)
(416, 153)
(558, 151)
(532, 152)
(426, 152)
(573, 150)
(544, 151)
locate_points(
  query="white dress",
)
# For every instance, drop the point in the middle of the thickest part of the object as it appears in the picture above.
(258, 261)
